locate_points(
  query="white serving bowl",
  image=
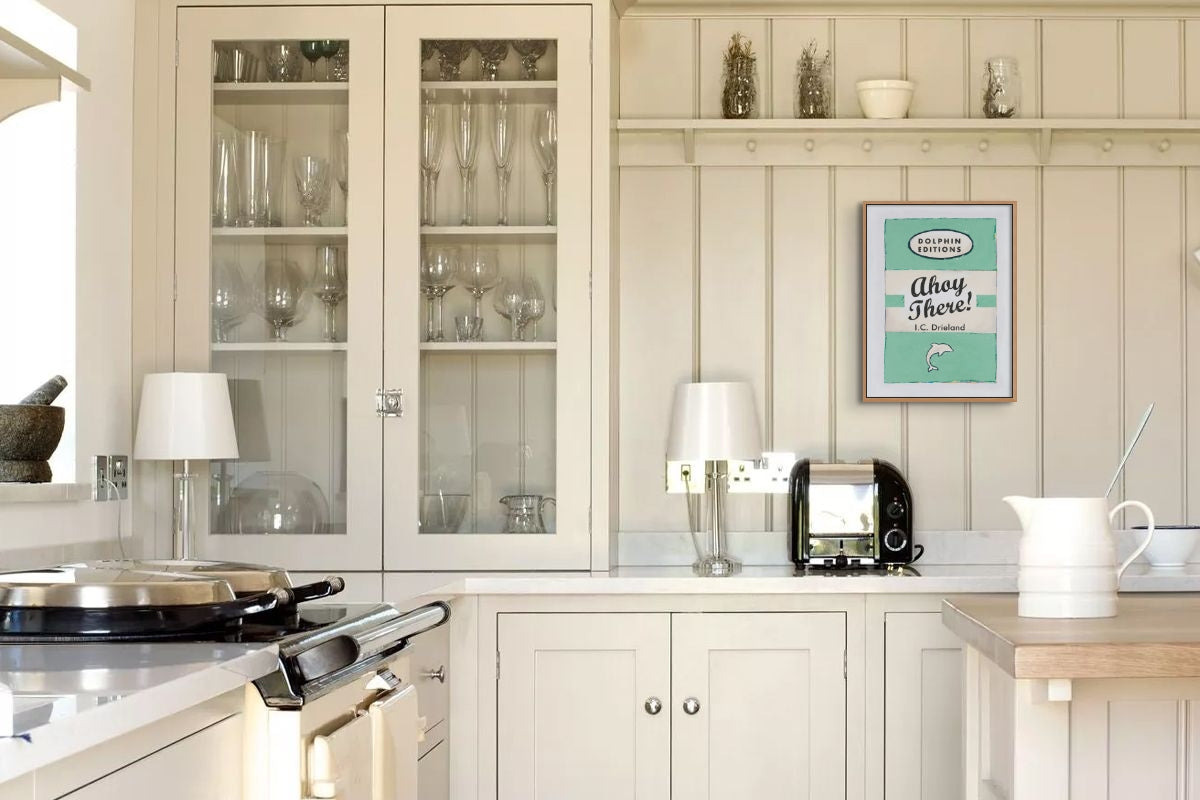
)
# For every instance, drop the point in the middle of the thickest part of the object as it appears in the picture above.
(1172, 545)
(884, 99)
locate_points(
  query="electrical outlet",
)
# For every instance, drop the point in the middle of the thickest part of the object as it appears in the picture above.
(110, 477)
(768, 475)
(685, 477)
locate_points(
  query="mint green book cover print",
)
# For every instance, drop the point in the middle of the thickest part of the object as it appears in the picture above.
(940, 278)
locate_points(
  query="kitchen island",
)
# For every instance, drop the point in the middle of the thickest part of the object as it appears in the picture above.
(1080, 708)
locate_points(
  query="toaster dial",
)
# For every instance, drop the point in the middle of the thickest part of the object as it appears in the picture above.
(894, 509)
(895, 540)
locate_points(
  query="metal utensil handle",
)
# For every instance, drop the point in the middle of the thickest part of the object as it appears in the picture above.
(317, 590)
(252, 604)
(1129, 450)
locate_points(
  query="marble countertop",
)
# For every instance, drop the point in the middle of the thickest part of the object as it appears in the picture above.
(66, 698)
(931, 579)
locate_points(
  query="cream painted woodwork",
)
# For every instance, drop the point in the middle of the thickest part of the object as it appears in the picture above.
(502, 422)
(771, 694)
(571, 695)
(433, 774)
(922, 708)
(203, 766)
(1108, 312)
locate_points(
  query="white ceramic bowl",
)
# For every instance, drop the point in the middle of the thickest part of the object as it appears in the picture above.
(1172, 545)
(884, 99)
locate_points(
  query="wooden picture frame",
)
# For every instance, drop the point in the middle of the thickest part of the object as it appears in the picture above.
(939, 302)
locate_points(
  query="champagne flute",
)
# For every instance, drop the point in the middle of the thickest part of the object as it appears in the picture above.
(312, 184)
(545, 146)
(438, 269)
(509, 302)
(466, 146)
(312, 50)
(431, 158)
(479, 274)
(341, 164)
(329, 285)
(503, 134)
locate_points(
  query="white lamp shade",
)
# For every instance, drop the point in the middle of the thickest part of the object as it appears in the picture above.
(185, 415)
(714, 422)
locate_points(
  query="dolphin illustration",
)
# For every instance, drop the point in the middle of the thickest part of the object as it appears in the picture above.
(936, 349)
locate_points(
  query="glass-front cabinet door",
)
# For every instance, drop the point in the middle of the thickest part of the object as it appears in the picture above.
(279, 252)
(487, 311)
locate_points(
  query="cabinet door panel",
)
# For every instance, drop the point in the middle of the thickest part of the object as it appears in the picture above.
(922, 708)
(771, 722)
(571, 719)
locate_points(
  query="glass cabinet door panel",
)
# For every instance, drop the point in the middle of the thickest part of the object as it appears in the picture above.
(487, 313)
(273, 253)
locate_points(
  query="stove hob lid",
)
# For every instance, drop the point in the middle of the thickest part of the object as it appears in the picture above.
(243, 578)
(88, 586)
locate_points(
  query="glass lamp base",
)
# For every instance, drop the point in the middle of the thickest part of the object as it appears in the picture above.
(717, 566)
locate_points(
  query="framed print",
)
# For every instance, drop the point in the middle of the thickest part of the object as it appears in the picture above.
(938, 302)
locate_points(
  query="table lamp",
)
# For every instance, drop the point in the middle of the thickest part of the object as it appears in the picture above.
(711, 425)
(185, 416)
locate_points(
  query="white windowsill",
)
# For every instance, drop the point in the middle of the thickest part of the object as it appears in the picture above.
(44, 492)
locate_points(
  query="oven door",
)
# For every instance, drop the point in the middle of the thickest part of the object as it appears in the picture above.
(341, 764)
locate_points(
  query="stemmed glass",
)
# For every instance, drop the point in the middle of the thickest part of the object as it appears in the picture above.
(280, 300)
(451, 54)
(530, 51)
(329, 285)
(312, 50)
(341, 163)
(545, 146)
(491, 53)
(428, 50)
(509, 302)
(466, 146)
(329, 48)
(312, 184)
(438, 269)
(533, 308)
(431, 159)
(503, 135)
(228, 299)
(479, 274)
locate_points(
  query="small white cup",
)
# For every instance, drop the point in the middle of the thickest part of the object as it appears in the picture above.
(1172, 545)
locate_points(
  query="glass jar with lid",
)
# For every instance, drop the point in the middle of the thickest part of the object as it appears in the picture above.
(1001, 87)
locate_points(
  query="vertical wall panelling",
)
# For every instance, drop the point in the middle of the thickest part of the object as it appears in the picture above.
(1191, 71)
(733, 296)
(1151, 71)
(1079, 68)
(665, 49)
(801, 333)
(863, 49)
(937, 432)
(714, 37)
(1154, 333)
(861, 430)
(789, 37)
(1191, 299)
(1004, 37)
(1081, 351)
(1006, 437)
(657, 237)
(935, 56)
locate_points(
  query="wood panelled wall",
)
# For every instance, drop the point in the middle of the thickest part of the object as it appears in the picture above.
(753, 273)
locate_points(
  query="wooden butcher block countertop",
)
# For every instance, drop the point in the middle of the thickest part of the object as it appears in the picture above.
(1152, 636)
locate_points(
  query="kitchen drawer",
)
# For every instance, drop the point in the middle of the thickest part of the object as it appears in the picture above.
(427, 654)
(433, 773)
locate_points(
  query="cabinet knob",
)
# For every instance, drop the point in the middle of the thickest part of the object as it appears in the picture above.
(438, 674)
(652, 705)
(691, 706)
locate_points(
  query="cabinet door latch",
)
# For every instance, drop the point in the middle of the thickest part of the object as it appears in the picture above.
(389, 402)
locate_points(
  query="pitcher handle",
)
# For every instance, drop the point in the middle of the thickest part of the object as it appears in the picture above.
(542, 504)
(1145, 509)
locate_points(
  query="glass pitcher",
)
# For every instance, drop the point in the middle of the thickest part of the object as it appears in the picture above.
(524, 513)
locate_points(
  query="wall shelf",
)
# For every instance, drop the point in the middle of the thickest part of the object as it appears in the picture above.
(489, 347)
(909, 141)
(514, 234)
(517, 91)
(279, 347)
(290, 235)
(280, 93)
(29, 76)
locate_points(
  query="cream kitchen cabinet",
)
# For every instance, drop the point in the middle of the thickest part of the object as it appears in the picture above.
(672, 705)
(332, 221)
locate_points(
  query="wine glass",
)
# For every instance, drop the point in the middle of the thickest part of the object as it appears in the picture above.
(451, 54)
(503, 135)
(329, 285)
(341, 162)
(509, 302)
(280, 299)
(491, 53)
(431, 158)
(466, 146)
(545, 146)
(533, 307)
(479, 274)
(329, 48)
(438, 269)
(312, 184)
(339, 63)
(428, 50)
(228, 299)
(530, 51)
(312, 50)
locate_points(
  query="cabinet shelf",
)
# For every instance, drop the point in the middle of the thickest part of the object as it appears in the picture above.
(516, 234)
(279, 347)
(489, 347)
(518, 91)
(30, 76)
(271, 94)
(291, 235)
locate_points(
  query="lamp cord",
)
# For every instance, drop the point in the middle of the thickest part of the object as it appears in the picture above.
(109, 488)
(687, 485)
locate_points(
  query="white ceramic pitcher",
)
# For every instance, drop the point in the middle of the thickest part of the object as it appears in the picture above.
(1068, 562)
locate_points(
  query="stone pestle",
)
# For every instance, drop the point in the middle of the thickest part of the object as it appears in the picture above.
(47, 393)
